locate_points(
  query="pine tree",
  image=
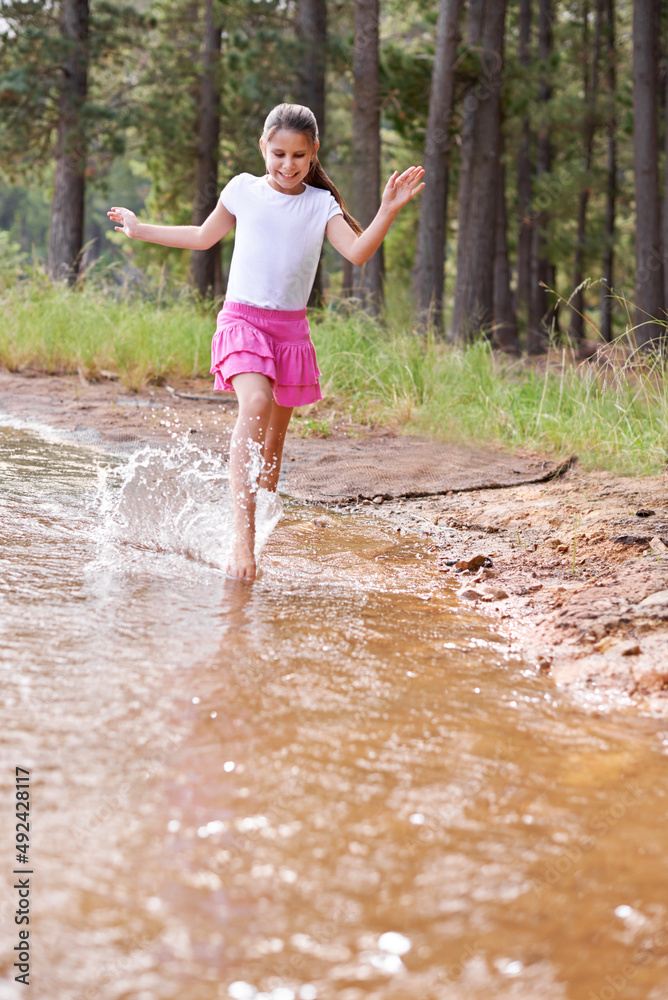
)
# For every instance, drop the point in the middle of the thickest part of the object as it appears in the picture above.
(311, 78)
(590, 62)
(649, 265)
(524, 167)
(428, 272)
(367, 279)
(542, 268)
(54, 60)
(205, 270)
(611, 173)
(479, 175)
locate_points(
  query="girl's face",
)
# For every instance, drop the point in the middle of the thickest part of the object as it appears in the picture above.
(288, 156)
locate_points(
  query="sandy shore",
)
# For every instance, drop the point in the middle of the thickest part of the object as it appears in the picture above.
(577, 573)
(575, 570)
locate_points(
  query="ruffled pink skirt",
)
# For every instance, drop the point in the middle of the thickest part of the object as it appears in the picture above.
(272, 342)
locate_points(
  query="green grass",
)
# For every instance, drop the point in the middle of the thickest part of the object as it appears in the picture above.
(613, 415)
(56, 330)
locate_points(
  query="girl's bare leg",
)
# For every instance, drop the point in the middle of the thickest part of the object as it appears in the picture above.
(273, 445)
(247, 445)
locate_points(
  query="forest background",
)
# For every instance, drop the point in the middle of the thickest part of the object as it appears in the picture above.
(542, 226)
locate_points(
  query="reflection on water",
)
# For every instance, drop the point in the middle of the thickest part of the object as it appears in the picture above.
(335, 783)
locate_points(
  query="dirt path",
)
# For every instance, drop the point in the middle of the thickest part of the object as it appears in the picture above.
(576, 568)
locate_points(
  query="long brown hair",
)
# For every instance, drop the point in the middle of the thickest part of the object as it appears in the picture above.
(297, 118)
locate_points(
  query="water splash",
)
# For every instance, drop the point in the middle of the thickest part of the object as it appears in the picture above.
(175, 501)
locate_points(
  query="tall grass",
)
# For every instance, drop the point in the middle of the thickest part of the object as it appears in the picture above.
(53, 329)
(611, 412)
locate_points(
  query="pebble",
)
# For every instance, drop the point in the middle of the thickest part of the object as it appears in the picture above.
(632, 649)
(474, 563)
(656, 600)
(469, 594)
(486, 573)
(494, 594)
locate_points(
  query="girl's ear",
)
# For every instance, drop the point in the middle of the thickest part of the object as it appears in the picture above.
(262, 147)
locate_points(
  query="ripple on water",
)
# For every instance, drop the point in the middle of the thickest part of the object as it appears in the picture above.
(334, 784)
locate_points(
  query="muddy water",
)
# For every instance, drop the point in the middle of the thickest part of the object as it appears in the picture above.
(336, 783)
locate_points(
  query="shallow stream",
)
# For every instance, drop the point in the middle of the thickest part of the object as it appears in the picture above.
(336, 783)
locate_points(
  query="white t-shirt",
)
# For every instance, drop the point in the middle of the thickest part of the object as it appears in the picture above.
(277, 242)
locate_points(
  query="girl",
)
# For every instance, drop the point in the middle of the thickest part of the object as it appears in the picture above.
(262, 346)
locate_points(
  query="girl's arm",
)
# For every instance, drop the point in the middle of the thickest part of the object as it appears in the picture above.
(398, 192)
(187, 237)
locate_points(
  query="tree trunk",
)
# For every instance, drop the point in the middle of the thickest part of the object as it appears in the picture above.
(505, 320)
(524, 174)
(611, 185)
(541, 269)
(474, 288)
(367, 279)
(664, 227)
(428, 274)
(474, 26)
(205, 269)
(67, 206)
(649, 263)
(312, 33)
(591, 98)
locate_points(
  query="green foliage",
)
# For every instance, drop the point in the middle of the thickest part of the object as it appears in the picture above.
(29, 57)
(141, 120)
(557, 192)
(256, 71)
(13, 261)
(49, 328)
(24, 214)
(407, 55)
(612, 415)
(32, 49)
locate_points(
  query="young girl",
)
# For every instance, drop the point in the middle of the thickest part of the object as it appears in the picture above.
(262, 345)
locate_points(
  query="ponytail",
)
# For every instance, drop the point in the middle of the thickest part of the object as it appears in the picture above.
(297, 118)
(317, 178)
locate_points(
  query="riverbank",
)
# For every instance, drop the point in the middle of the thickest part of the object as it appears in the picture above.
(575, 570)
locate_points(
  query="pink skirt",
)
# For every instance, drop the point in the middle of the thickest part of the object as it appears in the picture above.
(272, 342)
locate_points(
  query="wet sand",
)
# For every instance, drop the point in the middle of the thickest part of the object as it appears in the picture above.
(576, 569)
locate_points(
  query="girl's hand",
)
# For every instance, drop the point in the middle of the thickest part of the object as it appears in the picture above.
(128, 221)
(402, 187)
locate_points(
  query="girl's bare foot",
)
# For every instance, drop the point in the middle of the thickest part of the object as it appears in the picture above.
(241, 565)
